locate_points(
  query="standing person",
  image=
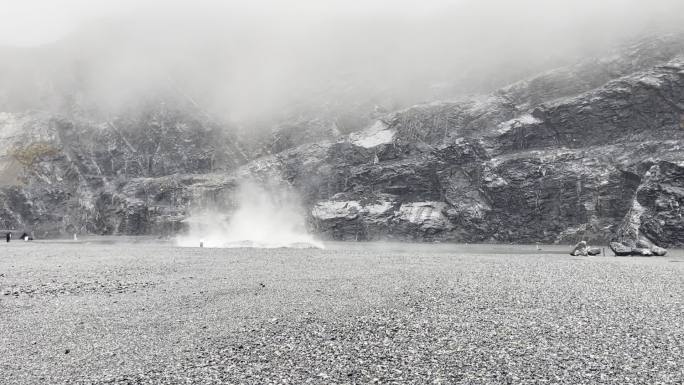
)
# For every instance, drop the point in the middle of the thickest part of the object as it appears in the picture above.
(8, 237)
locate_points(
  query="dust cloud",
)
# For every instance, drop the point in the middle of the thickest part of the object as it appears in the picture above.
(265, 216)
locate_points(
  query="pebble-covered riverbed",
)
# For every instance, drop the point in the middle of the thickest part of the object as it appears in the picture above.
(145, 313)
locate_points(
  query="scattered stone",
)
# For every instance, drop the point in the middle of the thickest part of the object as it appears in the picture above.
(410, 340)
(641, 252)
(642, 248)
(643, 244)
(594, 251)
(580, 249)
(658, 251)
(620, 250)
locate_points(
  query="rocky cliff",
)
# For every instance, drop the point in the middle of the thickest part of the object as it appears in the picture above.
(592, 151)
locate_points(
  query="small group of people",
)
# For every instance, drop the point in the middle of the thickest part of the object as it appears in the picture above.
(24, 237)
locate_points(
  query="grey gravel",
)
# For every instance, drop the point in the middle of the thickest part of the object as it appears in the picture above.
(351, 314)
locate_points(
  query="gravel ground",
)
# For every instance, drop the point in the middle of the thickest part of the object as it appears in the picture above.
(144, 313)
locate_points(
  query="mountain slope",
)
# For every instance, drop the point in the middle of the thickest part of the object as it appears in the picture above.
(588, 151)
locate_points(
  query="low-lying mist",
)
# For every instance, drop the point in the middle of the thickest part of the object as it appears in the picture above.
(246, 61)
(264, 216)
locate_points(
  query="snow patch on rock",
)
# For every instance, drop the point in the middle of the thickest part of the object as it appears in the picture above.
(327, 210)
(651, 81)
(336, 209)
(426, 214)
(375, 135)
(526, 119)
(379, 208)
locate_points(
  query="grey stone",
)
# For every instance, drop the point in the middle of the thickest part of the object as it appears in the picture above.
(644, 244)
(593, 251)
(658, 251)
(640, 252)
(580, 249)
(620, 250)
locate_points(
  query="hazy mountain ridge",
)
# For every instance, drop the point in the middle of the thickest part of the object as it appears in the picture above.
(592, 150)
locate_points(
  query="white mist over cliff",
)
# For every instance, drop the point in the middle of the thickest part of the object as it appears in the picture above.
(255, 63)
(265, 216)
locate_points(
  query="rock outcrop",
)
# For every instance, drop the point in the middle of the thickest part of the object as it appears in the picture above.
(592, 151)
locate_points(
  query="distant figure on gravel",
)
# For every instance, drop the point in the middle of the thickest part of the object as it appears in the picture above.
(25, 237)
(8, 237)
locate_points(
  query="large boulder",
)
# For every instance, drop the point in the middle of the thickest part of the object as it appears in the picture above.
(648, 245)
(658, 251)
(654, 249)
(644, 247)
(641, 252)
(580, 249)
(620, 250)
(643, 244)
(593, 251)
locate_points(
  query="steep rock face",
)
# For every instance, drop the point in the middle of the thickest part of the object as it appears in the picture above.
(657, 209)
(70, 175)
(594, 72)
(566, 169)
(592, 151)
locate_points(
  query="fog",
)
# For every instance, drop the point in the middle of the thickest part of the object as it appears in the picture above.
(264, 61)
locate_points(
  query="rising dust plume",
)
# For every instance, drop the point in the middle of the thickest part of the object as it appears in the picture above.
(264, 216)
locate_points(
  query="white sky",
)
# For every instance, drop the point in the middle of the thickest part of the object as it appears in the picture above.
(34, 22)
(30, 22)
